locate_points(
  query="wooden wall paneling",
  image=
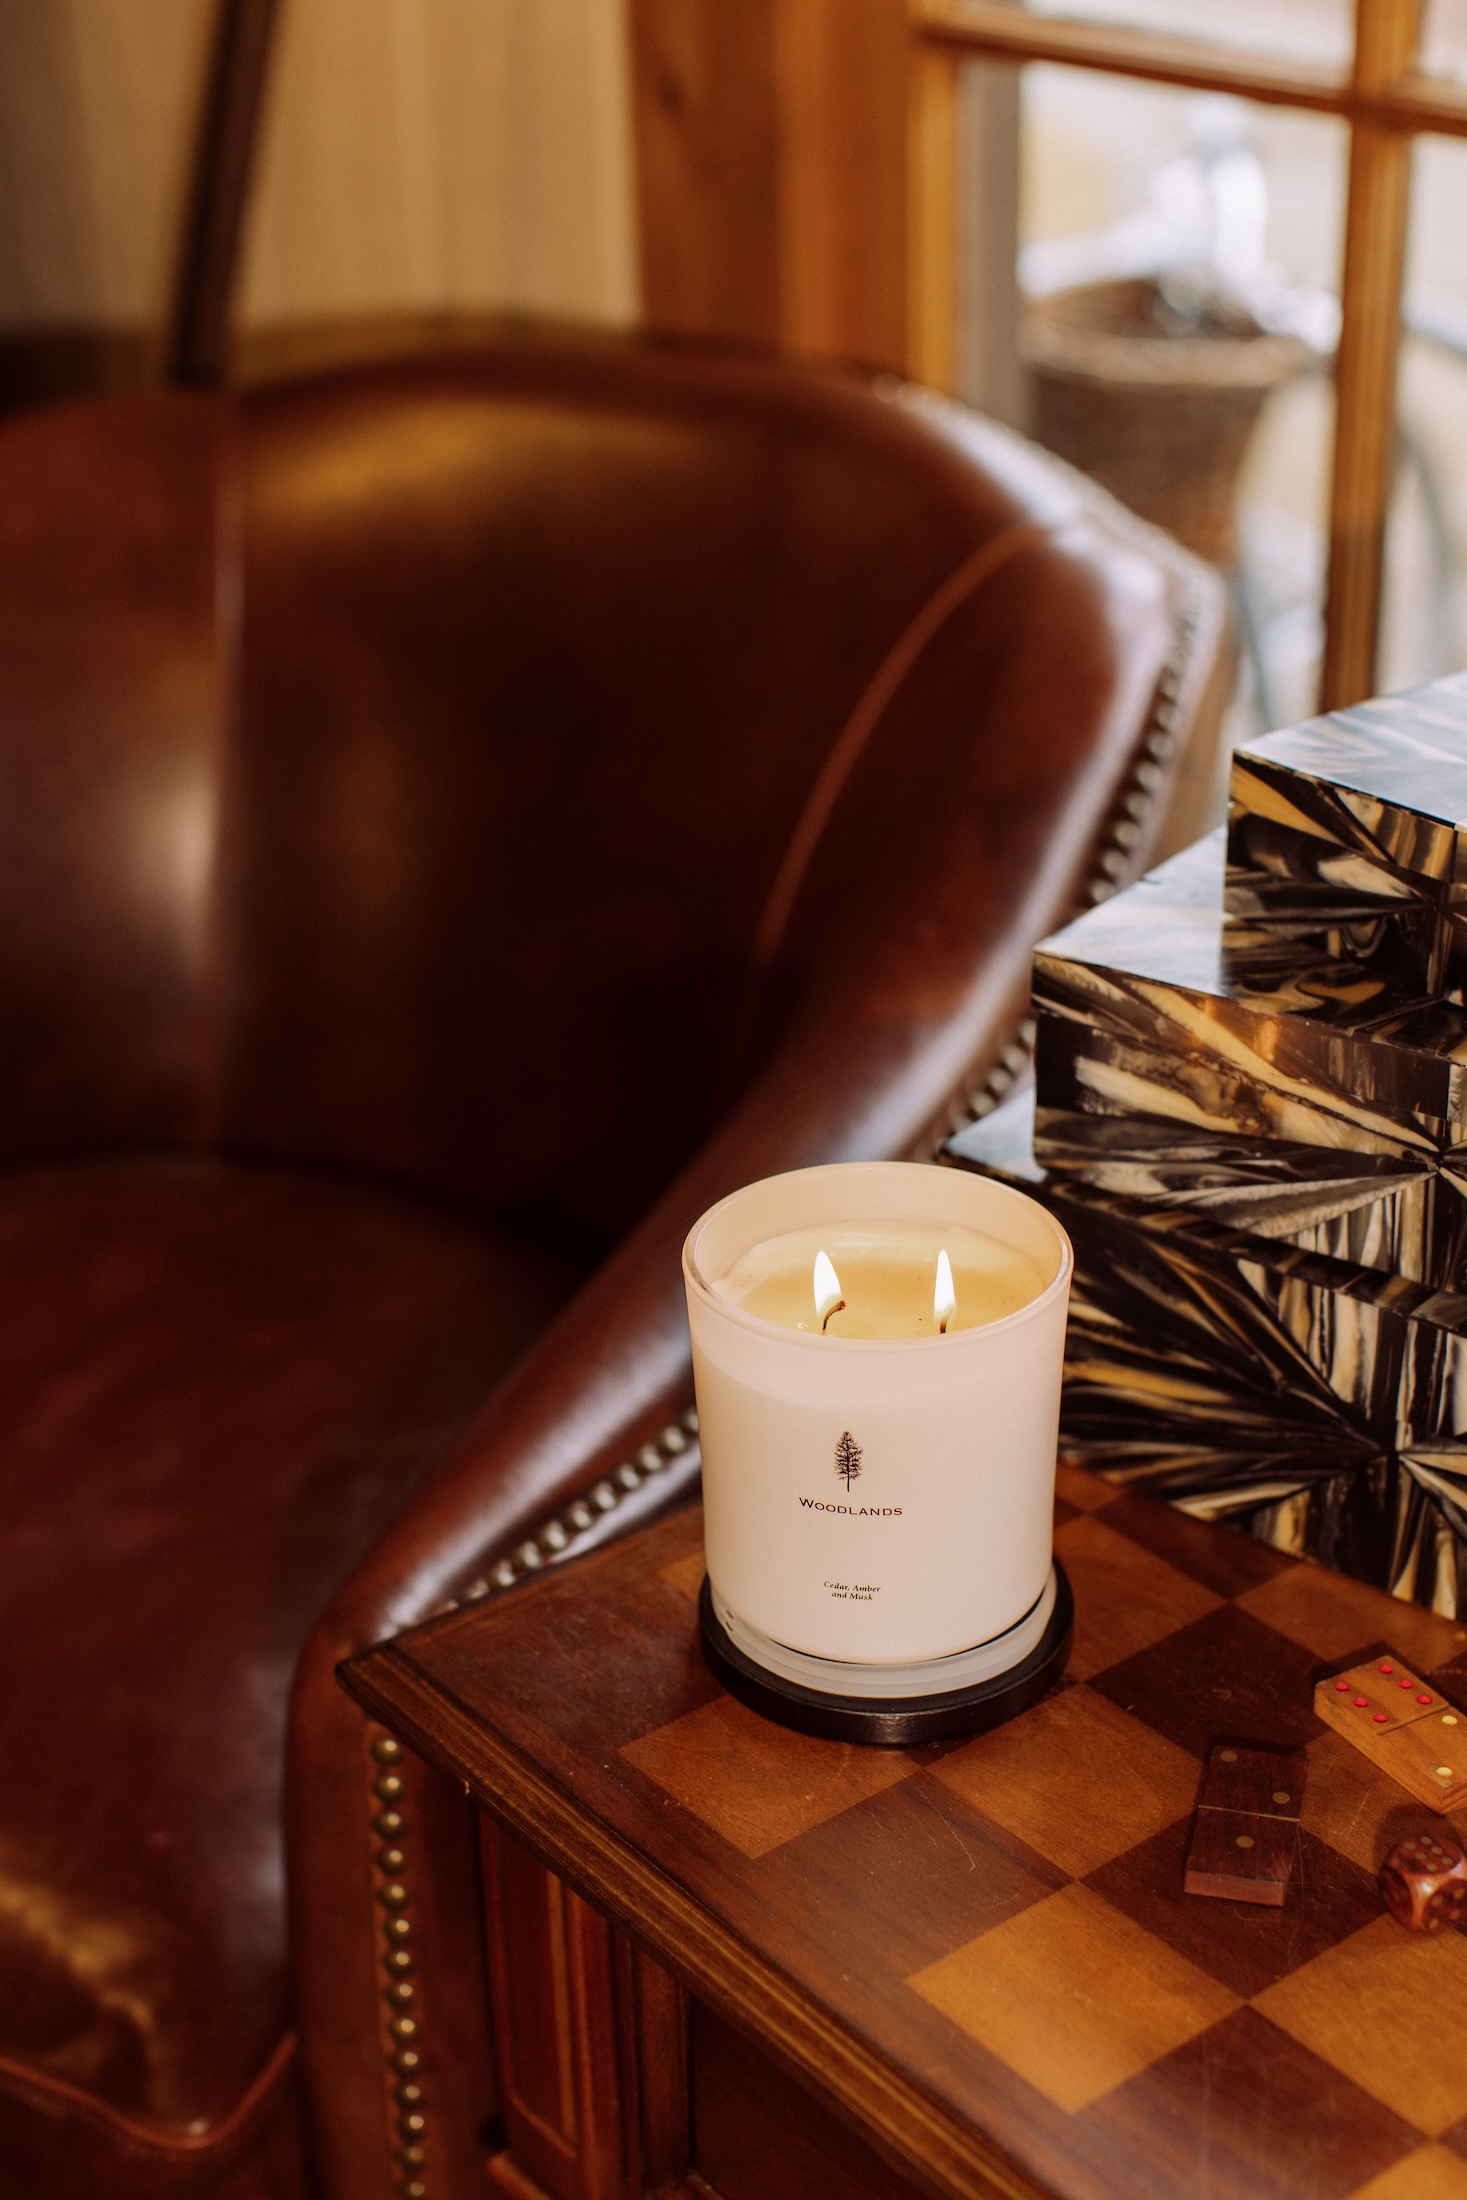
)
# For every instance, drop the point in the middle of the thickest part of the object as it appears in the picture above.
(772, 172)
(426, 161)
(705, 111)
(552, 1984)
(1386, 35)
(840, 73)
(97, 100)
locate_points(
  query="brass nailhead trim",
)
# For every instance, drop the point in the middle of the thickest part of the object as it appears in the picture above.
(986, 1097)
(404, 2093)
(1137, 798)
(554, 1540)
(558, 1536)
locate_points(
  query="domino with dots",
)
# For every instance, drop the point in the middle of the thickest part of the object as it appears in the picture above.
(1247, 1825)
(1402, 1725)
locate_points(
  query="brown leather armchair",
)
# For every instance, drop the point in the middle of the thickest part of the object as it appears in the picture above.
(457, 819)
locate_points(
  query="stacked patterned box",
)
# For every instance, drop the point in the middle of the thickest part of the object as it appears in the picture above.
(1250, 1112)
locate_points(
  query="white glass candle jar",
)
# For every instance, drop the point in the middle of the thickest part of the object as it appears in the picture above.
(881, 1501)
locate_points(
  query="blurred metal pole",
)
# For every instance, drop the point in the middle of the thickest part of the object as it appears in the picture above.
(197, 343)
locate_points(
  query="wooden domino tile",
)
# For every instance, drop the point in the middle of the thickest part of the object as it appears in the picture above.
(1402, 1725)
(1246, 1831)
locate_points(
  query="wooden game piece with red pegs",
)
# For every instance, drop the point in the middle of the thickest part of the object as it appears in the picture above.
(1401, 1724)
(1247, 1824)
(1424, 1882)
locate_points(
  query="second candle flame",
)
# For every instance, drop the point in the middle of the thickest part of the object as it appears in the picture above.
(828, 1300)
(944, 1298)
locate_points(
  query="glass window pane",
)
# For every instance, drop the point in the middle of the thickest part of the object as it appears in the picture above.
(1444, 39)
(1301, 30)
(1207, 230)
(1425, 629)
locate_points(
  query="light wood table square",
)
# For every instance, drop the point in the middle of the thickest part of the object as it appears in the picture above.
(1040, 1992)
(1431, 2173)
(1333, 1616)
(1031, 1775)
(756, 1784)
(1379, 2007)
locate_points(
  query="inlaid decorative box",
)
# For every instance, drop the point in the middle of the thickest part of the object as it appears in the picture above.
(1249, 1112)
(1304, 1116)
(1347, 842)
(1312, 1401)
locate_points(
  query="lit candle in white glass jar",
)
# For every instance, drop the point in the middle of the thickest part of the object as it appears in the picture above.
(877, 1351)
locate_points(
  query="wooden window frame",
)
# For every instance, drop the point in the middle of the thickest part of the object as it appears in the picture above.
(1385, 103)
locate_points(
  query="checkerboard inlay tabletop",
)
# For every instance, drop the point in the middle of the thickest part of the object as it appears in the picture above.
(1003, 1919)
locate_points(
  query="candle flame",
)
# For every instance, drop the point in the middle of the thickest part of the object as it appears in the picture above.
(828, 1300)
(944, 1298)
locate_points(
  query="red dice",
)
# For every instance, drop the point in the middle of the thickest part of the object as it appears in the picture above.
(1424, 1881)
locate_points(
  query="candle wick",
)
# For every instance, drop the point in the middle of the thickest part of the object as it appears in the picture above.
(838, 1308)
(942, 1327)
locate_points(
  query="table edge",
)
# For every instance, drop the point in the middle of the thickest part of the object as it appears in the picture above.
(707, 1957)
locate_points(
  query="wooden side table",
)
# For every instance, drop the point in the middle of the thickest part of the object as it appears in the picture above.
(728, 1956)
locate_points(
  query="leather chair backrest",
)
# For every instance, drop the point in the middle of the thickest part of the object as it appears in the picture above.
(394, 765)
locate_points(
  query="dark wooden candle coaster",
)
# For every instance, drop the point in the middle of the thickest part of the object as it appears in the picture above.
(892, 1722)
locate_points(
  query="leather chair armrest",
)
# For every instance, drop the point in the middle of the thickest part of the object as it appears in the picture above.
(891, 1014)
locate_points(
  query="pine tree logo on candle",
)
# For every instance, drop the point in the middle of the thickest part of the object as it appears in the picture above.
(848, 1458)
